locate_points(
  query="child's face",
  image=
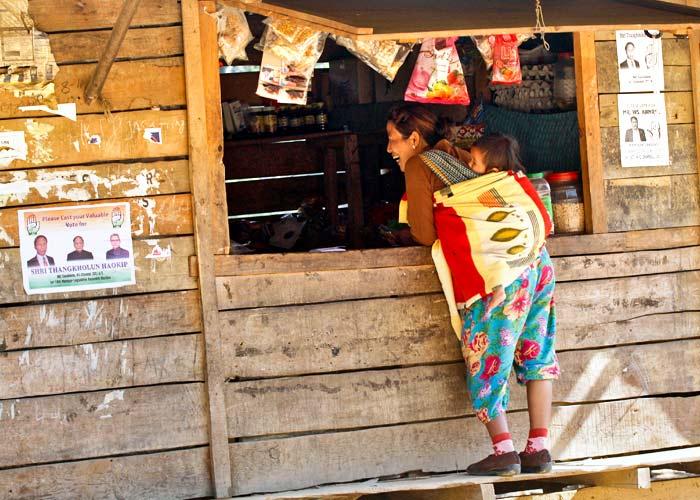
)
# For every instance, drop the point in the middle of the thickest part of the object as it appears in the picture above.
(478, 161)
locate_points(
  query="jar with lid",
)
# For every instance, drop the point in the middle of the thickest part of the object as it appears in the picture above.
(309, 118)
(269, 120)
(256, 120)
(295, 119)
(542, 186)
(567, 202)
(282, 120)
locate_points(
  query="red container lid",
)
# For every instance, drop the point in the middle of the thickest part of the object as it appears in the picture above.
(563, 177)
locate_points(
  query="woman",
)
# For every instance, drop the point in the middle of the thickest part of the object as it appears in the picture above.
(510, 324)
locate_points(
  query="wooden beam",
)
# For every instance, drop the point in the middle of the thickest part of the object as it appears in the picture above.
(121, 26)
(694, 45)
(589, 132)
(636, 478)
(201, 174)
(474, 492)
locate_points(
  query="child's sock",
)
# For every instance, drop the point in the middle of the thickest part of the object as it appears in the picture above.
(537, 440)
(502, 443)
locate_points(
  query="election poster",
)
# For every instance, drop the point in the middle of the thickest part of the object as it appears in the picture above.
(75, 248)
(643, 130)
(640, 60)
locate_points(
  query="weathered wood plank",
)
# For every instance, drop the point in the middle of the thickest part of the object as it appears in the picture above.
(151, 276)
(577, 431)
(627, 264)
(607, 35)
(131, 85)
(238, 265)
(96, 182)
(630, 241)
(68, 15)
(93, 424)
(205, 139)
(56, 141)
(170, 474)
(682, 152)
(264, 290)
(585, 244)
(311, 287)
(104, 365)
(364, 334)
(164, 215)
(653, 202)
(384, 397)
(694, 43)
(589, 131)
(100, 320)
(676, 66)
(679, 108)
(139, 43)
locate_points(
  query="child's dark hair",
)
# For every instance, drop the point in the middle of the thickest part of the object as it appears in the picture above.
(414, 117)
(501, 152)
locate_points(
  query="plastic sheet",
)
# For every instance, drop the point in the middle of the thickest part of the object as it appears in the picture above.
(233, 33)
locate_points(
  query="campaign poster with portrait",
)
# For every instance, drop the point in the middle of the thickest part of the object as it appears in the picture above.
(70, 249)
(643, 130)
(640, 60)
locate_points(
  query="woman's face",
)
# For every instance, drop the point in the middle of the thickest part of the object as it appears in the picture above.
(400, 148)
(478, 161)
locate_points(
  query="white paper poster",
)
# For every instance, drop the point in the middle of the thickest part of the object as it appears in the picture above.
(12, 147)
(643, 130)
(68, 249)
(640, 60)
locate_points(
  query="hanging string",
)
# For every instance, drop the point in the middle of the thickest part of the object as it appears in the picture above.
(540, 27)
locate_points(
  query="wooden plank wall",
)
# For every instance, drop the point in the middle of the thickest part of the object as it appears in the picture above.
(347, 368)
(102, 392)
(650, 197)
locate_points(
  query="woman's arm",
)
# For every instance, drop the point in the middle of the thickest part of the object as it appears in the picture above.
(419, 191)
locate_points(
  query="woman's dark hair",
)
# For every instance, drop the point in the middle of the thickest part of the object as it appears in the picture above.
(501, 152)
(414, 117)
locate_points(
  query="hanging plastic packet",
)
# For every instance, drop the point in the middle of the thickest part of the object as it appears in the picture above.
(299, 45)
(290, 53)
(233, 33)
(438, 77)
(384, 56)
(483, 43)
(506, 61)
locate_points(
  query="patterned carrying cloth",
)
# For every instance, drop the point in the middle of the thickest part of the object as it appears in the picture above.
(490, 228)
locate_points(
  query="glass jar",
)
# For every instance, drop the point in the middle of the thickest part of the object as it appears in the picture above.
(321, 116)
(256, 120)
(309, 118)
(543, 190)
(282, 120)
(269, 120)
(567, 202)
(295, 119)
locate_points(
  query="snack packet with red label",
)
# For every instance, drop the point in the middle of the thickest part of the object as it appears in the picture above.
(506, 61)
(438, 77)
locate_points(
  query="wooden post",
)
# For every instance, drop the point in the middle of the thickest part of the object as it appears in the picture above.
(121, 26)
(202, 172)
(694, 44)
(589, 132)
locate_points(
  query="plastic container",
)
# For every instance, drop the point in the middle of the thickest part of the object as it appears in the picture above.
(543, 190)
(565, 82)
(269, 120)
(567, 202)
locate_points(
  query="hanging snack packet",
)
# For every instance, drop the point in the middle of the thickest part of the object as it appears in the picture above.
(486, 48)
(506, 61)
(299, 45)
(437, 77)
(280, 80)
(384, 56)
(233, 33)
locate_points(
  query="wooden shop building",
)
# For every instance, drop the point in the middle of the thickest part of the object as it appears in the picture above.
(334, 374)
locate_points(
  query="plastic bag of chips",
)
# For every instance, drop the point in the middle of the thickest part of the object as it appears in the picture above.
(438, 77)
(485, 45)
(384, 56)
(506, 61)
(233, 33)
